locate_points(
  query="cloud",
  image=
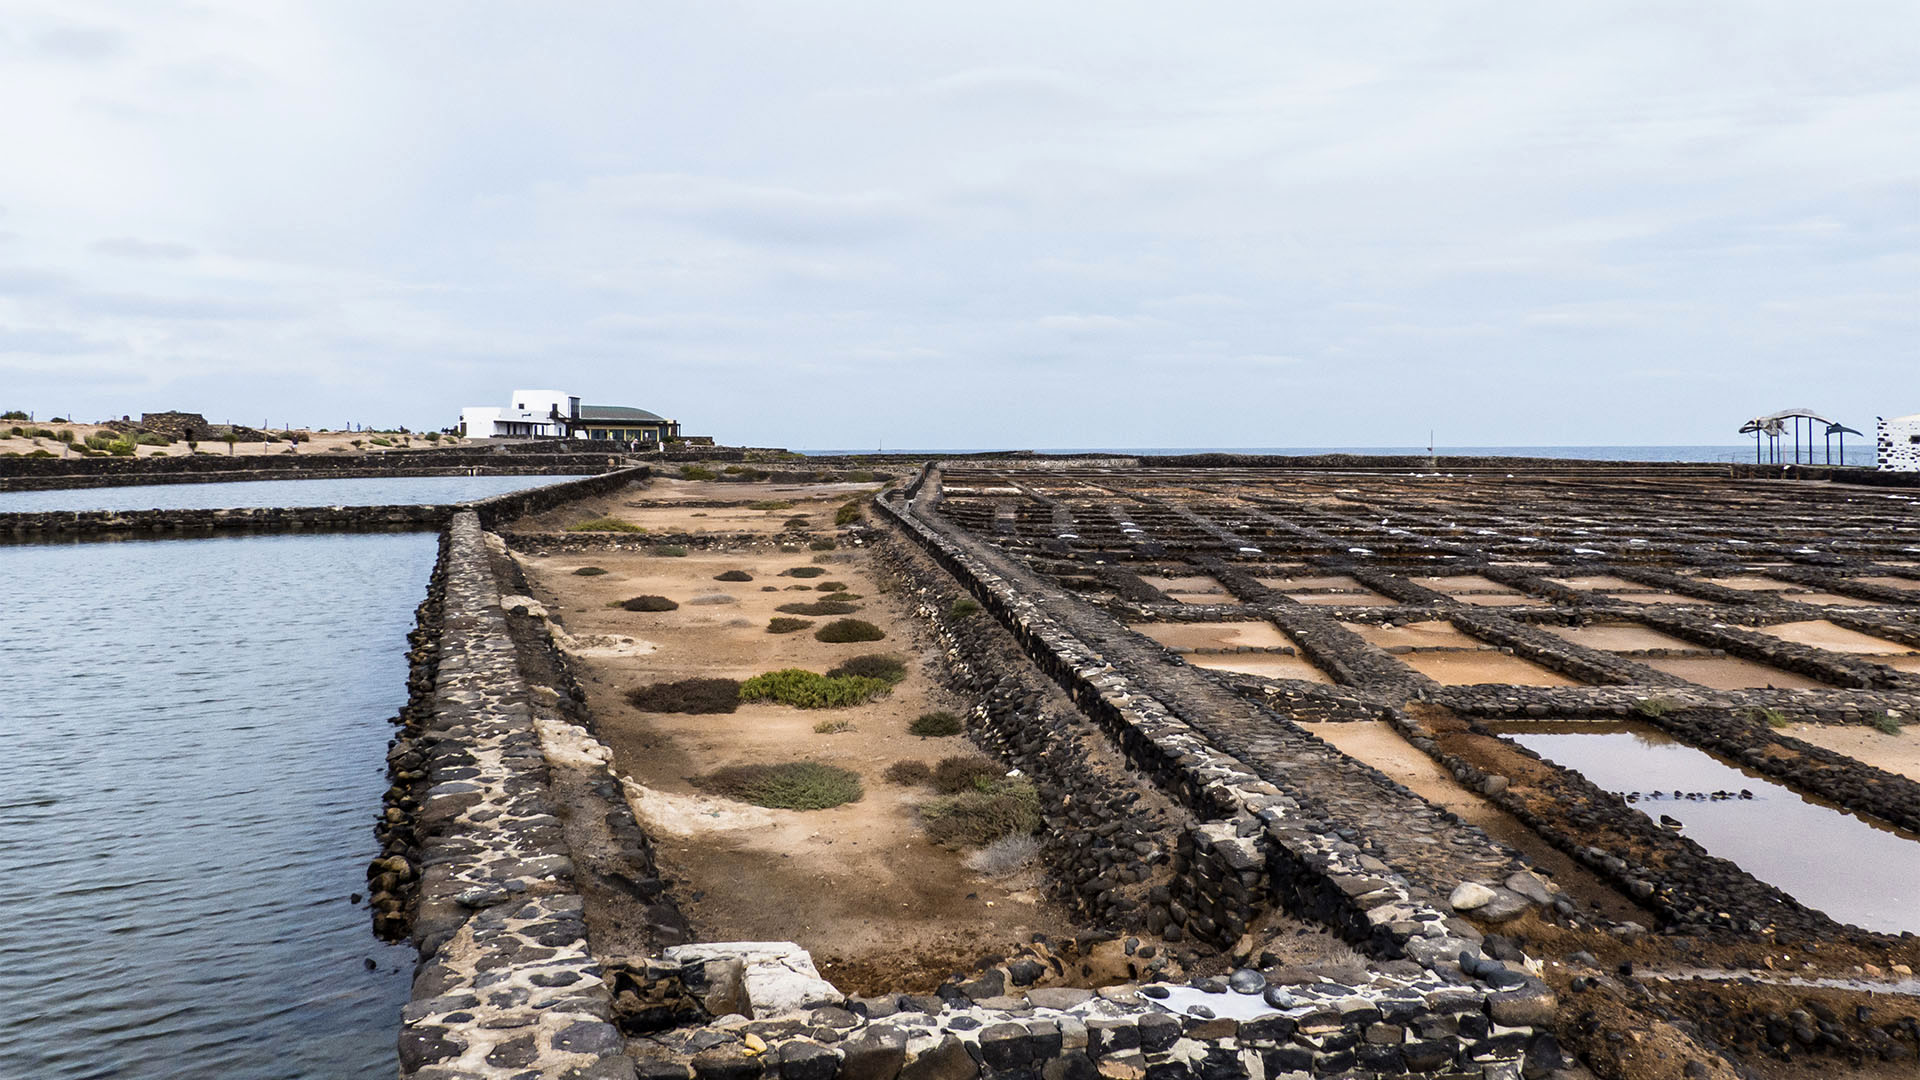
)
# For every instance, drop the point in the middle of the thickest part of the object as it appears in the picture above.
(86, 43)
(127, 247)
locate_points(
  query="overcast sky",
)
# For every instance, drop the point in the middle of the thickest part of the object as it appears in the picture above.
(950, 225)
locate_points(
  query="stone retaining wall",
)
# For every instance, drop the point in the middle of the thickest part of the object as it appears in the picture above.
(506, 984)
(32, 474)
(59, 524)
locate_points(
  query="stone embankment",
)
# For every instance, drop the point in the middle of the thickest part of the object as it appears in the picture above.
(507, 985)
(89, 524)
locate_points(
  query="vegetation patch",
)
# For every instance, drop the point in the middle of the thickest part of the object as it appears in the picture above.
(841, 631)
(1885, 724)
(697, 472)
(589, 571)
(792, 785)
(771, 504)
(1006, 856)
(966, 772)
(669, 551)
(936, 724)
(805, 689)
(1654, 706)
(784, 625)
(833, 727)
(848, 514)
(605, 524)
(823, 607)
(888, 669)
(832, 586)
(963, 608)
(650, 603)
(978, 818)
(822, 544)
(908, 773)
(1773, 718)
(687, 696)
(804, 571)
(733, 575)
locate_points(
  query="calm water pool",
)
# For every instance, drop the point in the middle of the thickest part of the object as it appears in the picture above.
(370, 491)
(195, 734)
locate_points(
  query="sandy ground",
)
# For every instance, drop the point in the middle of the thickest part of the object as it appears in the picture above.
(859, 885)
(1215, 635)
(1266, 666)
(313, 442)
(1480, 668)
(1619, 637)
(1730, 673)
(1822, 634)
(1894, 753)
(1380, 746)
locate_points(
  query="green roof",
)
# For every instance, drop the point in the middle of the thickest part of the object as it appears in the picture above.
(618, 414)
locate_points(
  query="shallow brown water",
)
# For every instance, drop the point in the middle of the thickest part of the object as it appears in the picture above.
(1730, 673)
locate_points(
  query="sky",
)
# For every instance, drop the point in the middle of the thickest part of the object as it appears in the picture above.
(847, 225)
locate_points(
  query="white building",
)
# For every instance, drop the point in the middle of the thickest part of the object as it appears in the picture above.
(1898, 443)
(532, 414)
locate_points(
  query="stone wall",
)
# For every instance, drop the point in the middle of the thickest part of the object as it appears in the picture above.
(1897, 444)
(60, 524)
(506, 985)
(28, 473)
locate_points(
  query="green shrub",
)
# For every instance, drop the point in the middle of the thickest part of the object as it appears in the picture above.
(39, 453)
(890, 669)
(669, 551)
(793, 785)
(13, 414)
(833, 727)
(822, 544)
(832, 586)
(847, 514)
(782, 625)
(1654, 706)
(589, 571)
(697, 696)
(908, 773)
(796, 522)
(862, 476)
(964, 608)
(804, 571)
(153, 439)
(936, 724)
(697, 472)
(771, 504)
(99, 440)
(650, 603)
(965, 772)
(1886, 725)
(605, 524)
(978, 818)
(1773, 718)
(733, 575)
(842, 631)
(820, 607)
(805, 689)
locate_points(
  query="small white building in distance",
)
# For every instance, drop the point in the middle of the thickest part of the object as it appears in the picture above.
(556, 414)
(532, 414)
(1897, 443)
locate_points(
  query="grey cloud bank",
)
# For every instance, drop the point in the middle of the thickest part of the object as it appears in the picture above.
(998, 225)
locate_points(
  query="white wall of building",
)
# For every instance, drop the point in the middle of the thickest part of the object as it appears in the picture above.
(527, 415)
(1897, 443)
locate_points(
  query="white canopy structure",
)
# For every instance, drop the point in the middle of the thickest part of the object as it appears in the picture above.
(1775, 425)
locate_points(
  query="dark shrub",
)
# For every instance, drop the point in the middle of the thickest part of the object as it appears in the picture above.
(696, 472)
(796, 523)
(891, 669)
(965, 772)
(649, 603)
(733, 575)
(832, 586)
(771, 504)
(605, 524)
(822, 544)
(805, 689)
(908, 773)
(687, 696)
(978, 818)
(589, 571)
(936, 724)
(964, 608)
(782, 625)
(669, 551)
(793, 785)
(841, 631)
(804, 571)
(823, 607)
(847, 514)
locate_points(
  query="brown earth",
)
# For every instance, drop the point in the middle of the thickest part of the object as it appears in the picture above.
(859, 885)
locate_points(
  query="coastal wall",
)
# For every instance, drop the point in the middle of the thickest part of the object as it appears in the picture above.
(477, 865)
(91, 524)
(1835, 473)
(536, 459)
